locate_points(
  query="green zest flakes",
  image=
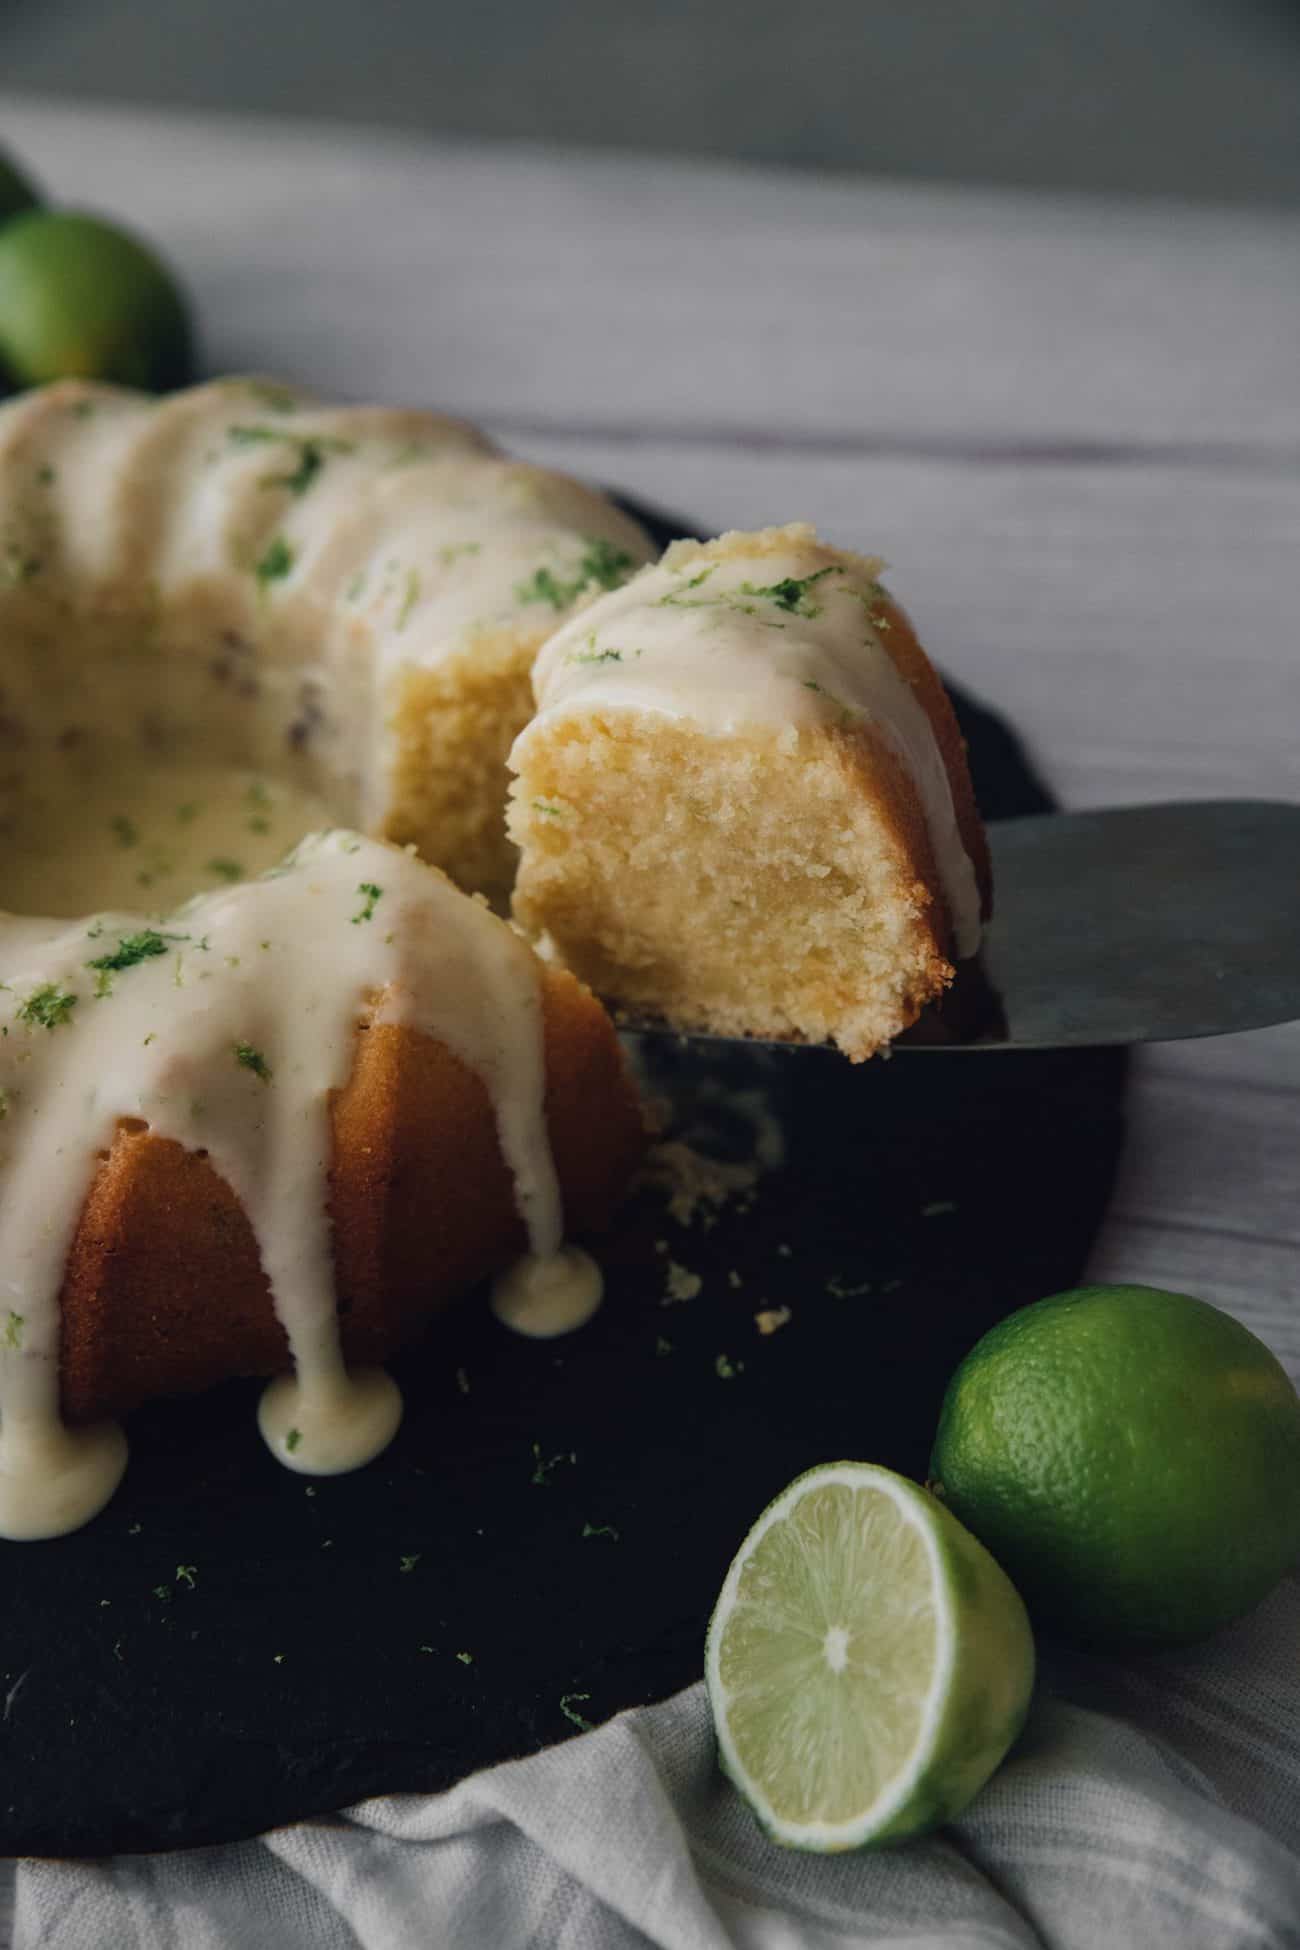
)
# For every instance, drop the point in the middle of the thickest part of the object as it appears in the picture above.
(372, 896)
(133, 949)
(310, 462)
(596, 657)
(292, 1440)
(409, 1563)
(602, 565)
(47, 1007)
(253, 1059)
(792, 593)
(13, 1334)
(605, 564)
(254, 436)
(310, 452)
(543, 1465)
(186, 1574)
(410, 597)
(226, 869)
(549, 810)
(678, 599)
(544, 588)
(275, 562)
(566, 1707)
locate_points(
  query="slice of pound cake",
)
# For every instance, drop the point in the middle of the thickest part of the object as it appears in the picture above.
(743, 804)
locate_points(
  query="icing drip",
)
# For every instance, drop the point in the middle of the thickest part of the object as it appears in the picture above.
(727, 636)
(227, 1027)
(543, 1298)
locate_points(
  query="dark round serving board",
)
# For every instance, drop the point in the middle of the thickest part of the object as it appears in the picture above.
(230, 1646)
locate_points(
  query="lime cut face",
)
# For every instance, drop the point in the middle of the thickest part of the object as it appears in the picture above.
(868, 1664)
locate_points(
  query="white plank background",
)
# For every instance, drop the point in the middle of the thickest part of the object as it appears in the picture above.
(1073, 428)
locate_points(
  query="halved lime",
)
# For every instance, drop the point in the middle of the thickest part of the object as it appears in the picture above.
(868, 1664)
(82, 299)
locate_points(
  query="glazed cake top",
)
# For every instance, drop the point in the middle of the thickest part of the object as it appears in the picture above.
(768, 629)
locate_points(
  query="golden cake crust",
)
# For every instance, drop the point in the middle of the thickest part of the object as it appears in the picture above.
(164, 1292)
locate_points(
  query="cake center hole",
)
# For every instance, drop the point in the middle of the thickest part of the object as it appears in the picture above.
(83, 830)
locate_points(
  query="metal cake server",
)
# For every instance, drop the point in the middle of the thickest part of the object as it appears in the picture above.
(1136, 924)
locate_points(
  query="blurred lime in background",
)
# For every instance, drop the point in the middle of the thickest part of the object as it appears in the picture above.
(16, 190)
(81, 298)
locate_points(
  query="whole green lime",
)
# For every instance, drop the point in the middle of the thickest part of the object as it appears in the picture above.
(17, 192)
(80, 298)
(1131, 1458)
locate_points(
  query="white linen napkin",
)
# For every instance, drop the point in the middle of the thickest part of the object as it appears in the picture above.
(1173, 1827)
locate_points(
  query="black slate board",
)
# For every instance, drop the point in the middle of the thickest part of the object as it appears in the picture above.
(544, 1549)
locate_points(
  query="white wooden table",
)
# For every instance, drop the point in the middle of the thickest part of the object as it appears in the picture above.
(1072, 429)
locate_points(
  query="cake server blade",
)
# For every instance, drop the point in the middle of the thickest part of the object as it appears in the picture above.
(1131, 924)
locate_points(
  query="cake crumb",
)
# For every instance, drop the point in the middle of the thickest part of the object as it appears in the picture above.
(842, 1289)
(680, 1284)
(697, 1186)
(770, 1320)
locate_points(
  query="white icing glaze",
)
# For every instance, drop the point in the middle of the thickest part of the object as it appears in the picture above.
(77, 834)
(230, 1033)
(52, 1479)
(542, 1298)
(773, 629)
(288, 562)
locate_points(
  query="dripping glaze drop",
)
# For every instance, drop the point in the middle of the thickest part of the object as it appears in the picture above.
(330, 1426)
(543, 1297)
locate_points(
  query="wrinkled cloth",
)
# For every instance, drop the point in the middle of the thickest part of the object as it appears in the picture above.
(1172, 1818)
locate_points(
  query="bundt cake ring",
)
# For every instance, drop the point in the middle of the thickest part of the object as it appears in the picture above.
(271, 1127)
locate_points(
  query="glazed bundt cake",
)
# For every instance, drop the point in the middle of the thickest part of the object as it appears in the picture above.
(346, 600)
(276, 1127)
(743, 804)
